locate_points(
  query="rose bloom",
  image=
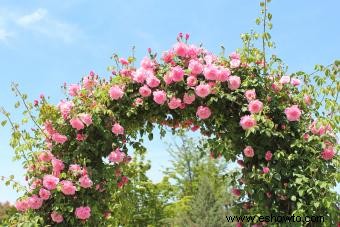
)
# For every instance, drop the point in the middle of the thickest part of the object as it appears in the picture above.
(22, 205)
(234, 55)
(44, 194)
(236, 192)
(189, 98)
(50, 182)
(307, 99)
(174, 103)
(152, 81)
(159, 97)
(210, 72)
(203, 90)
(57, 165)
(285, 80)
(265, 170)
(76, 123)
(140, 75)
(116, 92)
(74, 89)
(248, 152)
(117, 129)
(34, 202)
(195, 67)
(250, 95)
(67, 187)
(268, 156)
(65, 108)
(45, 156)
(56, 217)
(147, 63)
(58, 138)
(234, 82)
(328, 153)
(86, 118)
(89, 81)
(177, 74)
(203, 112)
(293, 113)
(223, 74)
(85, 181)
(247, 122)
(235, 63)
(145, 91)
(255, 106)
(116, 156)
(295, 82)
(181, 49)
(83, 213)
(191, 81)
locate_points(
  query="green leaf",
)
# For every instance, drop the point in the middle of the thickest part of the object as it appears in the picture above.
(3, 123)
(293, 198)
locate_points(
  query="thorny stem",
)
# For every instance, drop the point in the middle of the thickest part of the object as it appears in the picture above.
(17, 91)
(264, 35)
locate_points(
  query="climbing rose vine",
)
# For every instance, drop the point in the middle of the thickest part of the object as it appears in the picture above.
(251, 112)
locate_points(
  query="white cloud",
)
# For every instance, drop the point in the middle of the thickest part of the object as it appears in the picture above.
(32, 18)
(39, 22)
(4, 35)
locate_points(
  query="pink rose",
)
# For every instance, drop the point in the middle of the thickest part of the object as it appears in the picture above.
(116, 92)
(116, 156)
(83, 213)
(65, 108)
(123, 61)
(191, 81)
(328, 153)
(188, 99)
(195, 67)
(235, 63)
(247, 122)
(86, 118)
(285, 80)
(44, 194)
(80, 137)
(152, 81)
(295, 82)
(89, 81)
(159, 97)
(145, 91)
(57, 165)
(22, 205)
(234, 82)
(210, 72)
(85, 181)
(50, 182)
(234, 55)
(45, 156)
(147, 63)
(268, 156)
(174, 103)
(265, 170)
(177, 74)
(76, 123)
(293, 113)
(203, 112)
(56, 217)
(181, 49)
(238, 224)
(236, 192)
(67, 187)
(117, 129)
(223, 74)
(34, 202)
(255, 106)
(250, 95)
(248, 152)
(167, 79)
(75, 168)
(203, 90)
(74, 89)
(58, 138)
(167, 56)
(307, 99)
(140, 75)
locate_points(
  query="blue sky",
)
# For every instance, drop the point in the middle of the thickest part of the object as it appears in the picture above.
(44, 43)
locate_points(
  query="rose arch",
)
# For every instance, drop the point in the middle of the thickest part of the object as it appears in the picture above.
(250, 110)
